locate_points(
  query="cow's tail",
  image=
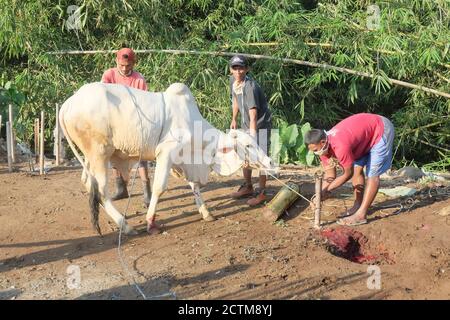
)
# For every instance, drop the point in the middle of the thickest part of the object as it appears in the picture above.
(94, 195)
(94, 204)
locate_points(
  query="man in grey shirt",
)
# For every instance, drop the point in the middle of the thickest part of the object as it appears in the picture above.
(249, 100)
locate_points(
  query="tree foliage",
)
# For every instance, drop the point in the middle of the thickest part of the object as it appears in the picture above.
(409, 42)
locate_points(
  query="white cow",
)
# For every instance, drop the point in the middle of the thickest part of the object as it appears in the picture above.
(118, 124)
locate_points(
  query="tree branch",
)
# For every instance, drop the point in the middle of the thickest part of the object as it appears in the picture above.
(258, 56)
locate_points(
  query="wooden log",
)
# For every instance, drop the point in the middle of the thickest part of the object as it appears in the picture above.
(13, 146)
(41, 145)
(318, 201)
(57, 138)
(8, 145)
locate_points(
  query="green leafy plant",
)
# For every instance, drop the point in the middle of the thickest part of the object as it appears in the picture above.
(410, 44)
(288, 145)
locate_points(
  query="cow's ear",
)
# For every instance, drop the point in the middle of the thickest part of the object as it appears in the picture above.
(225, 150)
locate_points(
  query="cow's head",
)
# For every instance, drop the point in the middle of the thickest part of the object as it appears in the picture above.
(238, 149)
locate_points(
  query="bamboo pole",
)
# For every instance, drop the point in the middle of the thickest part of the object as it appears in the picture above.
(57, 138)
(36, 139)
(8, 145)
(318, 201)
(259, 56)
(11, 135)
(41, 146)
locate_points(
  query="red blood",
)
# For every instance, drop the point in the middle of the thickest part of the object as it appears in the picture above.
(352, 245)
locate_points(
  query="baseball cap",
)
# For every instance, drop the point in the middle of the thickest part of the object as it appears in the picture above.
(238, 60)
(126, 54)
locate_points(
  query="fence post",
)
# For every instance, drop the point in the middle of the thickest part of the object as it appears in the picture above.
(8, 145)
(41, 146)
(36, 140)
(57, 138)
(318, 201)
(11, 135)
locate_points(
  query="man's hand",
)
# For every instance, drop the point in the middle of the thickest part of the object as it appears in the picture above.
(233, 124)
(325, 194)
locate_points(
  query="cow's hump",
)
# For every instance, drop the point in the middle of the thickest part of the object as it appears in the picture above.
(178, 89)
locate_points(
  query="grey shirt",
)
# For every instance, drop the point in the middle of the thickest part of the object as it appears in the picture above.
(252, 96)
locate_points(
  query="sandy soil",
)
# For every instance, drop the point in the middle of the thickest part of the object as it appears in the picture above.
(46, 238)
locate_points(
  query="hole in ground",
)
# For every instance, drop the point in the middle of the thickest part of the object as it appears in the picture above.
(354, 246)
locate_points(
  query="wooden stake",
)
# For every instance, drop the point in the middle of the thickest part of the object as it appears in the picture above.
(36, 140)
(41, 146)
(8, 145)
(57, 138)
(318, 201)
(11, 135)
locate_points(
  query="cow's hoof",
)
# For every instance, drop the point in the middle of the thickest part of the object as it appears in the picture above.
(130, 231)
(153, 229)
(209, 218)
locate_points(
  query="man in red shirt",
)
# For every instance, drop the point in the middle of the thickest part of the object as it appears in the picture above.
(124, 74)
(361, 140)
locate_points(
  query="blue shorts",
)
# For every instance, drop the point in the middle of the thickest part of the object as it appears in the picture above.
(379, 158)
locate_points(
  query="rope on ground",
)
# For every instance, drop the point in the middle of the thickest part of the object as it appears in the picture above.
(119, 246)
(406, 205)
(409, 203)
(121, 258)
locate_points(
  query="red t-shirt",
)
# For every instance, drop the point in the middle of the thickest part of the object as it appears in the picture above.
(135, 80)
(353, 137)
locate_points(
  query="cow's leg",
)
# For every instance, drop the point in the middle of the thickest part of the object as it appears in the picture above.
(161, 177)
(199, 201)
(99, 168)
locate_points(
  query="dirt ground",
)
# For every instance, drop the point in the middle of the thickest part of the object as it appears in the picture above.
(46, 238)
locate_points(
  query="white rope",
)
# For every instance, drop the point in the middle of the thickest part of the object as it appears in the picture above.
(288, 186)
(119, 246)
(121, 257)
(259, 56)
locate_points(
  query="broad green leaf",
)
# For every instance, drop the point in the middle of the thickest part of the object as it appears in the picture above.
(289, 135)
(310, 157)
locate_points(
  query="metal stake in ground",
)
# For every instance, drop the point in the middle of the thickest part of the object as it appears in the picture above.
(318, 200)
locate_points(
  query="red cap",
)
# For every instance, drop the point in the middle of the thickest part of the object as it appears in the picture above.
(126, 54)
